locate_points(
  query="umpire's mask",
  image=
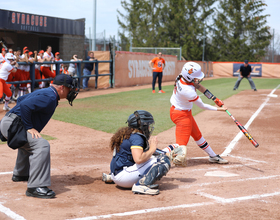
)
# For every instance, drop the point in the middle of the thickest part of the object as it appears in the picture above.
(68, 81)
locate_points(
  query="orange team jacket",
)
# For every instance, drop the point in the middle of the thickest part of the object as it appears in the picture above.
(158, 63)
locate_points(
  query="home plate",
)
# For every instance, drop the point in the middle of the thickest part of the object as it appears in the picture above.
(220, 174)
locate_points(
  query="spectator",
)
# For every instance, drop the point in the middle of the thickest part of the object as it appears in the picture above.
(245, 72)
(46, 68)
(65, 70)
(2, 55)
(57, 58)
(87, 69)
(73, 66)
(38, 67)
(158, 65)
(5, 71)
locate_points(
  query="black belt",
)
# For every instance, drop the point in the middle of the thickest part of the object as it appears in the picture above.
(11, 115)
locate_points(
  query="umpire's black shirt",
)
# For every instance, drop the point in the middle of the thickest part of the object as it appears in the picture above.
(245, 71)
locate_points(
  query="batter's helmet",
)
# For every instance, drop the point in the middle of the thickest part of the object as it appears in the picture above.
(192, 70)
(142, 120)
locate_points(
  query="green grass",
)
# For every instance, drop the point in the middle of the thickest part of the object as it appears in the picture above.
(109, 112)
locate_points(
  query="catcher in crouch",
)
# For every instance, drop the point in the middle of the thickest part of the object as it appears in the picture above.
(182, 99)
(133, 163)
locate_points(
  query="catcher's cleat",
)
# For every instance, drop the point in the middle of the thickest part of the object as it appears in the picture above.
(217, 159)
(107, 178)
(140, 189)
(181, 155)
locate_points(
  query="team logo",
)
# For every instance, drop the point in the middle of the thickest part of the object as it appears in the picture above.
(190, 71)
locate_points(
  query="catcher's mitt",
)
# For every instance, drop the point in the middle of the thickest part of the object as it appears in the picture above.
(179, 156)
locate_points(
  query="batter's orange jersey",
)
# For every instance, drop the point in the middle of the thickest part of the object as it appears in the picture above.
(158, 63)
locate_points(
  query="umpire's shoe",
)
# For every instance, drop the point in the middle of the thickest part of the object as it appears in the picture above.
(20, 178)
(40, 192)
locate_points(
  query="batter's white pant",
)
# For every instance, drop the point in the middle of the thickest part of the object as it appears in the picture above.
(131, 175)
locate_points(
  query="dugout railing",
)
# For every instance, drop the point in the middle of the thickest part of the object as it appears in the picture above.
(79, 75)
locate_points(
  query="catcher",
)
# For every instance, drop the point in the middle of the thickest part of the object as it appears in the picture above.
(182, 99)
(133, 163)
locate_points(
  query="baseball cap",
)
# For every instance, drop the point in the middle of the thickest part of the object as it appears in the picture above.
(9, 56)
(26, 51)
(57, 53)
(30, 53)
(246, 61)
(25, 48)
(41, 51)
(63, 79)
(3, 49)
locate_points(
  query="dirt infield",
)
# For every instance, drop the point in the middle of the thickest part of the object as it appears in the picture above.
(246, 188)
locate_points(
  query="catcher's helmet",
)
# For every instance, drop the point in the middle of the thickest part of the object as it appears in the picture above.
(192, 70)
(142, 120)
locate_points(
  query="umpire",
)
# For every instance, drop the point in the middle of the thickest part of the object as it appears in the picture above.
(21, 126)
(245, 72)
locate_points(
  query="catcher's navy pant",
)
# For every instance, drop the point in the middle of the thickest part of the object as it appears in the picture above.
(33, 159)
(252, 84)
(155, 76)
(131, 175)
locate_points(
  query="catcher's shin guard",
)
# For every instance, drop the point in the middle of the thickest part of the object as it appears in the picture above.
(181, 158)
(157, 171)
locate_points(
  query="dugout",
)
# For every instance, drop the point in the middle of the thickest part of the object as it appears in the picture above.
(20, 29)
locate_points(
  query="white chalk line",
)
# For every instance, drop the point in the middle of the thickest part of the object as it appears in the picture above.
(10, 213)
(230, 147)
(243, 198)
(216, 200)
(229, 181)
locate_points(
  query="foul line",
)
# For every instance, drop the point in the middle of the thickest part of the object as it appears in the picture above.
(230, 147)
(217, 200)
(10, 213)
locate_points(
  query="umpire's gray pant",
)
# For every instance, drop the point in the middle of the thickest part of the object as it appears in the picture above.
(252, 84)
(33, 158)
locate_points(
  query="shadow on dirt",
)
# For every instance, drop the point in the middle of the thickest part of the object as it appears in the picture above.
(61, 182)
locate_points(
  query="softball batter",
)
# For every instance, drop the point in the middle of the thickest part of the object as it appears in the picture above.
(182, 99)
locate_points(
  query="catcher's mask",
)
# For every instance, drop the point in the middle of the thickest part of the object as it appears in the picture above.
(142, 120)
(192, 71)
(68, 81)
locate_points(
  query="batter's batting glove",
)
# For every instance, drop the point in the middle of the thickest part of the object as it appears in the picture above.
(219, 102)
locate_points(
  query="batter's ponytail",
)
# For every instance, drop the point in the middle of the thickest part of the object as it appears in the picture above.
(177, 79)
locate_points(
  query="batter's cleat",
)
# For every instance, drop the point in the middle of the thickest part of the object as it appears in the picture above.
(6, 108)
(20, 178)
(139, 189)
(154, 91)
(40, 192)
(217, 159)
(255, 90)
(107, 178)
(161, 91)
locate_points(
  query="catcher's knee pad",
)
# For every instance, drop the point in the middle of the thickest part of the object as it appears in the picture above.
(181, 158)
(156, 172)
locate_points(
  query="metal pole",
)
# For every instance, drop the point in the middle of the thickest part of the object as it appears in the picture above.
(94, 25)
(90, 40)
(104, 39)
(180, 53)
(130, 48)
(113, 52)
(203, 42)
(273, 47)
